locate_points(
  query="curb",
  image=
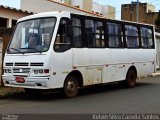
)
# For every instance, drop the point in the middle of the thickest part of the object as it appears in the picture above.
(155, 74)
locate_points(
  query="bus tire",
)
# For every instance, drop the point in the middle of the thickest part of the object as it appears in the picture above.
(131, 79)
(70, 87)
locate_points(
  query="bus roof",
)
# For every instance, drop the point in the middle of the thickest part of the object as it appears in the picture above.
(46, 14)
(115, 19)
(68, 14)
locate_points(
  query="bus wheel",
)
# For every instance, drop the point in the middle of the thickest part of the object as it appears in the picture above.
(131, 79)
(70, 87)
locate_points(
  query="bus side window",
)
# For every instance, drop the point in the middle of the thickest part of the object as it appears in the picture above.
(146, 37)
(132, 36)
(63, 38)
(115, 35)
(77, 33)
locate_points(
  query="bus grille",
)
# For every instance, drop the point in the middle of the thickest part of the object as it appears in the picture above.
(21, 64)
(21, 70)
(25, 64)
(36, 64)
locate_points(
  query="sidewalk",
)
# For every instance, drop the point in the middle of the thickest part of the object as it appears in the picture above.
(157, 73)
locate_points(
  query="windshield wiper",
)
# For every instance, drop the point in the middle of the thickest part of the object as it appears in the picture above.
(16, 50)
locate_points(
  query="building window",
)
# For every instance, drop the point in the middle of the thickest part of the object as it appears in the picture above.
(115, 35)
(132, 37)
(3, 22)
(146, 37)
(14, 23)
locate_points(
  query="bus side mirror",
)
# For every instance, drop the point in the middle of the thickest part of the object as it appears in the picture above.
(65, 21)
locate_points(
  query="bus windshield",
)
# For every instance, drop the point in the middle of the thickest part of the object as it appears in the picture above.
(32, 36)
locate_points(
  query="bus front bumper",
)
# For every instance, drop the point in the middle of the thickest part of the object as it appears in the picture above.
(29, 82)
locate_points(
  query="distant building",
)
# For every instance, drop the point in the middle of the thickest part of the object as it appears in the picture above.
(147, 12)
(87, 7)
(9, 16)
(104, 10)
(38, 6)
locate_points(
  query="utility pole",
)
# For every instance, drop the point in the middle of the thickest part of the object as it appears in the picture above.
(137, 10)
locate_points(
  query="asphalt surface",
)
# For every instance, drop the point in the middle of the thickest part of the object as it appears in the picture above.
(110, 98)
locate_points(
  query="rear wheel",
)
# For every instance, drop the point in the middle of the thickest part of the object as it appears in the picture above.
(131, 79)
(70, 87)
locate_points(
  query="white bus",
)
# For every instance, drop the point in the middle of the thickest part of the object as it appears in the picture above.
(63, 50)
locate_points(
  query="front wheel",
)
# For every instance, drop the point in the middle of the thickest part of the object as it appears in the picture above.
(131, 79)
(70, 87)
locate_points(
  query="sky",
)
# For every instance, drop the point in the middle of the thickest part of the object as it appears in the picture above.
(114, 3)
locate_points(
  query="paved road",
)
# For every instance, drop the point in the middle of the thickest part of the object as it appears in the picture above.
(113, 98)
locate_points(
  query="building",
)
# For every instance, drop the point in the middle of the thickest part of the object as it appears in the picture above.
(9, 16)
(82, 4)
(105, 10)
(38, 6)
(8, 19)
(87, 7)
(146, 12)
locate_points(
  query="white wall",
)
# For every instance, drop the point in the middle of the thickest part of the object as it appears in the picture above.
(61, 1)
(97, 8)
(105, 10)
(38, 6)
(77, 3)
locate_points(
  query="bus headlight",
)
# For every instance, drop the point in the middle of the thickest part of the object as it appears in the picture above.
(7, 70)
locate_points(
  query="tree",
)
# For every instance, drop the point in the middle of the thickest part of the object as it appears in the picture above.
(157, 22)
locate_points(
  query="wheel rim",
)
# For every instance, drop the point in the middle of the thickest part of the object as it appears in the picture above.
(71, 88)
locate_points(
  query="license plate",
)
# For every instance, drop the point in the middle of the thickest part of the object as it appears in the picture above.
(20, 80)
